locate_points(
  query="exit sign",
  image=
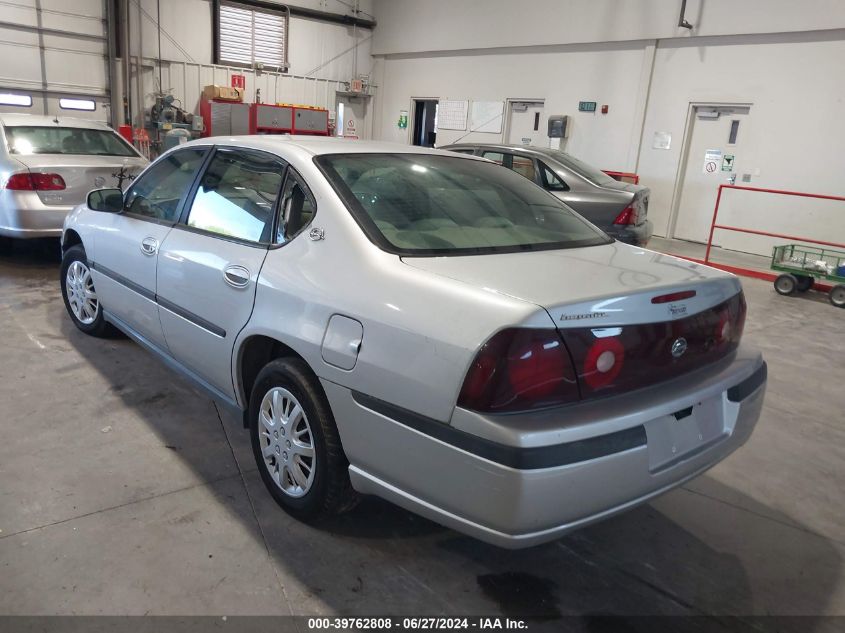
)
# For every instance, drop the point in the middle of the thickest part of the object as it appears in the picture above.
(586, 106)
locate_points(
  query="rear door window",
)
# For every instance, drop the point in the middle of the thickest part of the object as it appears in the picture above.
(524, 166)
(503, 159)
(237, 195)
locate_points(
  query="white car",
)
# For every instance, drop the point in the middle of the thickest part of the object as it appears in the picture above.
(49, 164)
(419, 325)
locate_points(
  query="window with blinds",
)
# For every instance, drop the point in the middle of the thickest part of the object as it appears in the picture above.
(248, 36)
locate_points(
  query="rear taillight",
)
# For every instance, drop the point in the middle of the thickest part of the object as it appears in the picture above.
(614, 360)
(517, 370)
(521, 369)
(628, 215)
(603, 362)
(37, 181)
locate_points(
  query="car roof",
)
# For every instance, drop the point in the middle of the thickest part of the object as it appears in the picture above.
(317, 145)
(529, 149)
(41, 120)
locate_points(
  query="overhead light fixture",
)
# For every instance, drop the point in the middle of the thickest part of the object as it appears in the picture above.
(708, 114)
(89, 105)
(23, 101)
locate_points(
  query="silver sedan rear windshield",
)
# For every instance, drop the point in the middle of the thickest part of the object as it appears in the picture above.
(30, 139)
(424, 204)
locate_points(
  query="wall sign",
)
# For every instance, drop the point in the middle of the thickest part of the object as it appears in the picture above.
(728, 162)
(586, 106)
(452, 114)
(403, 119)
(712, 158)
(662, 140)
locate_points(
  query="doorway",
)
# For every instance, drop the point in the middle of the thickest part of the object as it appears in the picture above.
(526, 123)
(351, 116)
(424, 129)
(713, 154)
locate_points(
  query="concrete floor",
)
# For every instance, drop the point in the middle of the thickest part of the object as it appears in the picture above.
(123, 492)
(718, 255)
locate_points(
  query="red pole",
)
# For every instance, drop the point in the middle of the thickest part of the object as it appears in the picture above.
(713, 225)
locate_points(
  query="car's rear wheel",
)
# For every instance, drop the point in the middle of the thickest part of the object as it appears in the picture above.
(296, 443)
(80, 296)
(786, 284)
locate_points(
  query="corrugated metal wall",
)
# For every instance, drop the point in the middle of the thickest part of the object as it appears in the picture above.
(54, 48)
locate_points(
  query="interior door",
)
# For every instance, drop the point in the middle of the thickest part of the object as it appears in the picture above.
(126, 245)
(351, 117)
(210, 262)
(713, 156)
(526, 124)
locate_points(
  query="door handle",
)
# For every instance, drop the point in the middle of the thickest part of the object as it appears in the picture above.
(236, 276)
(149, 246)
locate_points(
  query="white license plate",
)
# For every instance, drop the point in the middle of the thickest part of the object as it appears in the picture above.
(673, 438)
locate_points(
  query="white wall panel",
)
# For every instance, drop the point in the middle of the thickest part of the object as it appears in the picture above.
(797, 128)
(792, 76)
(606, 74)
(431, 25)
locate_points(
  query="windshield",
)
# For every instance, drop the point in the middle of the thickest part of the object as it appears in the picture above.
(26, 140)
(421, 204)
(581, 168)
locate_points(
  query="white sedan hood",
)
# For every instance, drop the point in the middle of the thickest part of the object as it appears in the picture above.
(598, 285)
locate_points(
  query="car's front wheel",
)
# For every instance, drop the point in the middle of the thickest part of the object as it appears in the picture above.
(296, 443)
(80, 296)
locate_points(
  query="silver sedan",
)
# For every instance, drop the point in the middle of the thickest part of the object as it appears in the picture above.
(619, 209)
(419, 325)
(49, 164)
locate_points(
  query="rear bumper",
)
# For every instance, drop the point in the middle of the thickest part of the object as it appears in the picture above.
(24, 215)
(636, 235)
(517, 481)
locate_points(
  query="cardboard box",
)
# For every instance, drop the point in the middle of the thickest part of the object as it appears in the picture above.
(224, 93)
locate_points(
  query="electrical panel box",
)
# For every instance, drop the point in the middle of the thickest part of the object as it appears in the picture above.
(224, 118)
(559, 126)
(270, 119)
(230, 119)
(311, 121)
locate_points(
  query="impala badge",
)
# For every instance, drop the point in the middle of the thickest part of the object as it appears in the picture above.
(679, 347)
(99, 181)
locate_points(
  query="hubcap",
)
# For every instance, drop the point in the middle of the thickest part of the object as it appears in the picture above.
(838, 295)
(286, 442)
(80, 293)
(784, 284)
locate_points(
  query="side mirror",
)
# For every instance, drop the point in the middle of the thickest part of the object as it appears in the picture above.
(108, 200)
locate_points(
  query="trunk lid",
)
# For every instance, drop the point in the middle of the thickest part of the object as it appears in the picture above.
(639, 201)
(629, 317)
(81, 174)
(598, 286)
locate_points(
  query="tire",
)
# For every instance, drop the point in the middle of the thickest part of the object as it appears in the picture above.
(805, 283)
(786, 284)
(837, 295)
(327, 490)
(74, 260)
